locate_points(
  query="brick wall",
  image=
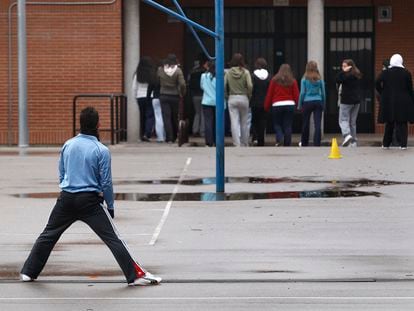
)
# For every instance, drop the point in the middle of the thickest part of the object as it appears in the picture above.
(70, 50)
(78, 49)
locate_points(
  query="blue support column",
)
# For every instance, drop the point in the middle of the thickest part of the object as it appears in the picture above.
(219, 8)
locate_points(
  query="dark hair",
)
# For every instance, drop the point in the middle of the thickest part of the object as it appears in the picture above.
(171, 60)
(145, 70)
(237, 61)
(284, 76)
(202, 59)
(386, 63)
(312, 71)
(260, 63)
(212, 68)
(89, 119)
(354, 70)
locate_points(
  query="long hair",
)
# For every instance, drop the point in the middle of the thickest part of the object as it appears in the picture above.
(312, 71)
(145, 70)
(212, 68)
(354, 70)
(237, 61)
(284, 76)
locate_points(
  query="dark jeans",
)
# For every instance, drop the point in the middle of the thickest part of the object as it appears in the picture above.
(282, 118)
(307, 109)
(146, 116)
(87, 207)
(401, 129)
(259, 117)
(169, 109)
(209, 113)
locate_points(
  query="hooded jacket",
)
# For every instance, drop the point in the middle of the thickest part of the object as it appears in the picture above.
(238, 81)
(261, 80)
(351, 88)
(171, 81)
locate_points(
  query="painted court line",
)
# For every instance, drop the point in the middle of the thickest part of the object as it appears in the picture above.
(368, 298)
(169, 203)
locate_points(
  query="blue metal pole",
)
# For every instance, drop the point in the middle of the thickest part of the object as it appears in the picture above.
(219, 8)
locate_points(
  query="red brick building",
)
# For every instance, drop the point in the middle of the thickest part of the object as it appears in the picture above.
(85, 47)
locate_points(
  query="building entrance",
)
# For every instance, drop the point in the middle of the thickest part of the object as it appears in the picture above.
(279, 34)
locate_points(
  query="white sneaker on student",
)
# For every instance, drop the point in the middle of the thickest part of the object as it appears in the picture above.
(347, 140)
(25, 278)
(147, 279)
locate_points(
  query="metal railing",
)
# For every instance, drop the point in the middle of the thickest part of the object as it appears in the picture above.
(118, 115)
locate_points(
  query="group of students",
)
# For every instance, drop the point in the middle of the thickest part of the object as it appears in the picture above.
(250, 98)
(158, 91)
(280, 95)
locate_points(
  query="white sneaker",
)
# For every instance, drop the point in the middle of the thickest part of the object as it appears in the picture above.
(147, 279)
(386, 148)
(300, 144)
(347, 140)
(403, 148)
(25, 278)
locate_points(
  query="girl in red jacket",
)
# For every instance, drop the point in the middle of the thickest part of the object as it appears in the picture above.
(282, 96)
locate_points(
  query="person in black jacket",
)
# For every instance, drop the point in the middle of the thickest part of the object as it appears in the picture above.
(349, 78)
(395, 87)
(196, 94)
(261, 80)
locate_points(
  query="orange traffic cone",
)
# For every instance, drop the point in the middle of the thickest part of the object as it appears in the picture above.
(335, 153)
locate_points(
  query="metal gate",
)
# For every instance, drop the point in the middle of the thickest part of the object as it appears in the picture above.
(277, 34)
(280, 35)
(350, 34)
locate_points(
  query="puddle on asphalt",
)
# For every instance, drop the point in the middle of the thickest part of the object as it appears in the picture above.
(262, 180)
(332, 189)
(28, 153)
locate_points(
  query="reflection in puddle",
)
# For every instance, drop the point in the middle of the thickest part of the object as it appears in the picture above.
(237, 196)
(212, 196)
(332, 189)
(263, 180)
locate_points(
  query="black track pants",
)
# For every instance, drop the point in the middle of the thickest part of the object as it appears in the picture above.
(87, 207)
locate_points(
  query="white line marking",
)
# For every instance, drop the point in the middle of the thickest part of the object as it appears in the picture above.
(207, 298)
(169, 203)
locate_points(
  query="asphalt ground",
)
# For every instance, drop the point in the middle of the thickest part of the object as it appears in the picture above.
(324, 234)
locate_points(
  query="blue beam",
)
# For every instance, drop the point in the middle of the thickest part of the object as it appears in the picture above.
(181, 18)
(195, 34)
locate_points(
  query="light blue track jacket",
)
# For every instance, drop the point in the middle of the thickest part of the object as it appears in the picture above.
(311, 91)
(208, 85)
(85, 166)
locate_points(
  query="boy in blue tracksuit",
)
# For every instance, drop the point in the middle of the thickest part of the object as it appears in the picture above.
(86, 182)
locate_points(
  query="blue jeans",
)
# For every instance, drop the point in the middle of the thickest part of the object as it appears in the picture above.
(308, 107)
(146, 117)
(282, 118)
(209, 113)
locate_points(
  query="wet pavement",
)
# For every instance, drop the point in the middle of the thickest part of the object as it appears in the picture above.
(294, 229)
